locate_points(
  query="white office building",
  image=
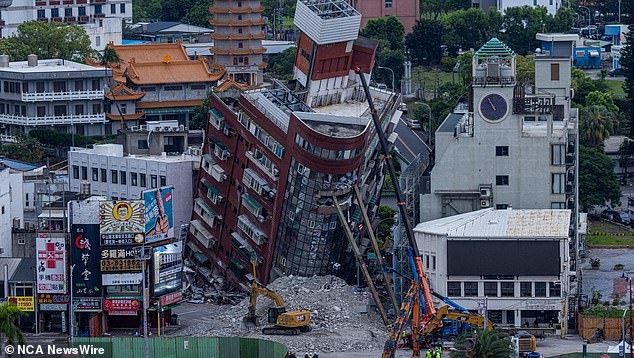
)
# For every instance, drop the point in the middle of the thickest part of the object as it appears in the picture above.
(105, 171)
(43, 93)
(102, 19)
(517, 259)
(501, 5)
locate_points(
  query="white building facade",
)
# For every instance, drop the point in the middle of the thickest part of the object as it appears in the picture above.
(517, 259)
(102, 19)
(106, 171)
(501, 5)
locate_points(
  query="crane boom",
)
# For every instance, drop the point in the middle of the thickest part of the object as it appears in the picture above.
(420, 276)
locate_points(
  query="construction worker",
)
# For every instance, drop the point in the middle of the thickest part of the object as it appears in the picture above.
(428, 354)
(404, 337)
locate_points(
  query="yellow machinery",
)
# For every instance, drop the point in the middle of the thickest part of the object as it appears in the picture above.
(435, 324)
(286, 323)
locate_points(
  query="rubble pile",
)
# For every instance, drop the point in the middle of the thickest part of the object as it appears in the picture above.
(340, 318)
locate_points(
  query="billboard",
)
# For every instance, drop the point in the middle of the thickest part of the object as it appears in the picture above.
(120, 259)
(122, 279)
(168, 268)
(84, 255)
(159, 218)
(121, 222)
(51, 264)
(24, 303)
(87, 304)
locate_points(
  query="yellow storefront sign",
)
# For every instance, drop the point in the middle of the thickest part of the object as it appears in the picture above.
(24, 303)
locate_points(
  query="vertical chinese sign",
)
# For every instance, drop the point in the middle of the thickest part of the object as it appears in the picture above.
(85, 254)
(51, 264)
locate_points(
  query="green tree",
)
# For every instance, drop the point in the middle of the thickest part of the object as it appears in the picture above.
(520, 26)
(108, 57)
(10, 333)
(466, 29)
(48, 40)
(198, 14)
(596, 125)
(146, 10)
(388, 28)
(525, 69)
(425, 41)
(201, 115)
(389, 58)
(597, 180)
(281, 65)
(27, 149)
(488, 344)
(627, 62)
(57, 139)
(386, 221)
(563, 20)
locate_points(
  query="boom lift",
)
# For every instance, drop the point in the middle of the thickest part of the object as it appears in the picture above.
(285, 323)
(419, 304)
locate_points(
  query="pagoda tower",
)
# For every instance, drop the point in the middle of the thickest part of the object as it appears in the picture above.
(239, 31)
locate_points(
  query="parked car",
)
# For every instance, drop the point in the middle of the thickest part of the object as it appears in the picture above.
(625, 218)
(617, 72)
(611, 215)
(403, 107)
(413, 123)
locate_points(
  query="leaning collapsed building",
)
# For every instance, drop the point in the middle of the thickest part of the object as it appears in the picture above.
(275, 158)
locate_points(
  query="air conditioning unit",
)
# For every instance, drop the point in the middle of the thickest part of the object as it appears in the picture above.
(485, 191)
(485, 203)
(134, 128)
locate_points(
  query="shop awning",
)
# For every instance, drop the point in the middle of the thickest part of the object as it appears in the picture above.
(251, 202)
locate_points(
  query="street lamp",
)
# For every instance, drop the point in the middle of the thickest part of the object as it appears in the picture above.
(589, 16)
(389, 69)
(72, 308)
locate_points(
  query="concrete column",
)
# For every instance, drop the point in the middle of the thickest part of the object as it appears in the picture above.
(518, 318)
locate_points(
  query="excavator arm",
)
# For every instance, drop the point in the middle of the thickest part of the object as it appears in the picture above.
(443, 312)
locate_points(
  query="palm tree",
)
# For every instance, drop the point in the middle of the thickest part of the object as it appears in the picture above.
(596, 125)
(9, 332)
(485, 344)
(108, 57)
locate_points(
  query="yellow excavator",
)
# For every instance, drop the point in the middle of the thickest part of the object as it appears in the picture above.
(284, 323)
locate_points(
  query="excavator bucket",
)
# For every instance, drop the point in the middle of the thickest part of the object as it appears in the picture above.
(249, 322)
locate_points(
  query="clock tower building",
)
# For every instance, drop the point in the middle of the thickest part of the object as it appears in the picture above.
(514, 143)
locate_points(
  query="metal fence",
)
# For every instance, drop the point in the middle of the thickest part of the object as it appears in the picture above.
(188, 347)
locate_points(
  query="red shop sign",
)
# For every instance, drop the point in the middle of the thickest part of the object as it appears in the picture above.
(121, 304)
(171, 298)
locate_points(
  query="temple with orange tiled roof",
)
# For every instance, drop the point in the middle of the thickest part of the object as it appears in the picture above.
(238, 35)
(158, 82)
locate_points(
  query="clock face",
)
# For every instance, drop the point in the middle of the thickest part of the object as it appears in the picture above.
(493, 107)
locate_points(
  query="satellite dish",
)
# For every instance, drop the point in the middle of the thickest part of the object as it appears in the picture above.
(538, 50)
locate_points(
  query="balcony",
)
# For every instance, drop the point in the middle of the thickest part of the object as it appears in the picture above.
(249, 229)
(220, 150)
(40, 3)
(67, 2)
(97, 16)
(213, 169)
(53, 2)
(209, 215)
(70, 19)
(61, 96)
(272, 173)
(82, 18)
(201, 234)
(53, 120)
(56, 19)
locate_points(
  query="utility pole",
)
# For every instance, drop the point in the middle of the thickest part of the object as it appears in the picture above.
(631, 328)
(143, 257)
(72, 308)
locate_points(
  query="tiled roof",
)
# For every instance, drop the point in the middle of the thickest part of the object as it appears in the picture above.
(231, 84)
(165, 104)
(494, 47)
(171, 72)
(121, 92)
(126, 117)
(150, 52)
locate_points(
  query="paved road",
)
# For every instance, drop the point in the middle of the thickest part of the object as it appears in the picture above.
(410, 142)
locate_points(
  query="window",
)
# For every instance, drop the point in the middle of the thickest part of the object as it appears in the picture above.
(39, 87)
(554, 72)
(59, 86)
(501, 206)
(68, 12)
(558, 183)
(427, 262)
(501, 180)
(198, 87)
(526, 289)
(113, 176)
(534, 2)
(84, 173)
(163, 180)
(540, 289)
(471, 289)
(502, 151)
(41, 111)
(98, 9)
(142, 180)
(491, 289)
(81, 11)
(75, 172)
(59, 111)
(389, 4)
(122, 8)
(54, 12)
(104, 176)
(96, 108)
(174, 88)
(123, 108)
(96, 85)
(555, 289)
(433, 262)
(558, 154)
(142, 144)
(153, 181)
(557, 205)
(240, 44)
(79, 109)
(97, 41)
(133, 179)
(123, 177)
(95, 174)
(453, 289)
(507, 289)
(148, 89)
(113, 8)
(41, 14)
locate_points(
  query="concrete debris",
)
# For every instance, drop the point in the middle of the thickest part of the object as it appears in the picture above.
(337, 325)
